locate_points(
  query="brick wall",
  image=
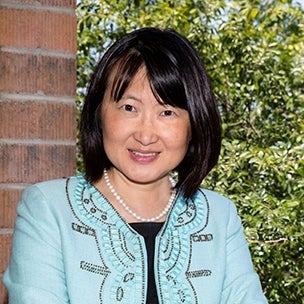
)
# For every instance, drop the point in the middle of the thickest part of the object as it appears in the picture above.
(37, 110)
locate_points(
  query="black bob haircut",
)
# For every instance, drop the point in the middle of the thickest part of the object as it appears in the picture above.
(177, 78)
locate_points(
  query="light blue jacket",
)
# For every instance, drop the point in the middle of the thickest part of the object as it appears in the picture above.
(71, 246)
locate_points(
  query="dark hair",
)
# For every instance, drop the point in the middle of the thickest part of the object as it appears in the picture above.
(177, 78)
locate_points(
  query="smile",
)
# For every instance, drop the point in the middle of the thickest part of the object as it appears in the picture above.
(144, 154)
(143, 157)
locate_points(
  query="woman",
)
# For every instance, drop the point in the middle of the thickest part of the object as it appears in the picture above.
(126, 232)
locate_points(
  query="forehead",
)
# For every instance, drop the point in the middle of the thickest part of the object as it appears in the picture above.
(135, 81)
(165, 79)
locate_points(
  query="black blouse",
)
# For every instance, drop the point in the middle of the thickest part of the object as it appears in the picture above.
(149, 231)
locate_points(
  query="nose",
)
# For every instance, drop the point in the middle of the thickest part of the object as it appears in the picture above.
(146, 132)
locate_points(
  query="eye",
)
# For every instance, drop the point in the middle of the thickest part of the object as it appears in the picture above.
(167, 113)
(128, 108)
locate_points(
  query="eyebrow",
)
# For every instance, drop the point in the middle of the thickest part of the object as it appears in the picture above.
(129, 96)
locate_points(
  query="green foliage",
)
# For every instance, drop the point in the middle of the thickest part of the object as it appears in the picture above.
(253, 51)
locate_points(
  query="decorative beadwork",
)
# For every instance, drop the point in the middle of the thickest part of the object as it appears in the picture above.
(122, 250)
(133, 213)
(201, 237)
(198, 273)
(94, 268)
(82, 229)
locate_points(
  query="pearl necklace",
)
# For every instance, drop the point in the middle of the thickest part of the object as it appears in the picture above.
(133, 213)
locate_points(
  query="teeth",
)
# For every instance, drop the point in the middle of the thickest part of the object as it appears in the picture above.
(144, 154)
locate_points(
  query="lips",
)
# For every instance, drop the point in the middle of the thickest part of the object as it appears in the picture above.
(144, 153)
(143, 156)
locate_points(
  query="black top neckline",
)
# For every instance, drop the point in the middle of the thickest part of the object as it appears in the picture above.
(149, 231)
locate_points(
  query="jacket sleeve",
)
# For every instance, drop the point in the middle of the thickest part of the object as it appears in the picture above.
(36, 273)
(241, 284)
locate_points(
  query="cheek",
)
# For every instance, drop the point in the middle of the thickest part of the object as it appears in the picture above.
(114, 133)
(109, 124)
(180, 138)
(110, 135)
(108, 132)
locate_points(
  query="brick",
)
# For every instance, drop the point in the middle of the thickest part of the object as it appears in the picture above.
(60, 3)
(37, 74)
(54, 3)
(38, 29)
(8, 203)
(5, 245)
(3, 293)
(31, 163)
(37, 129)
(37, 120)
(5, 249)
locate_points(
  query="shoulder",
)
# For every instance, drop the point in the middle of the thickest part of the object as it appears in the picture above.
(46, 195)
(51, 188)
(214, 199)
(214, 196)
(220, 208)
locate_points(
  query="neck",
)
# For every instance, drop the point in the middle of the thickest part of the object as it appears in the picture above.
(145, 202)
(140, 192)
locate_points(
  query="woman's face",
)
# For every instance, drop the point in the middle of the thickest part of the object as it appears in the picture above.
(143, 139)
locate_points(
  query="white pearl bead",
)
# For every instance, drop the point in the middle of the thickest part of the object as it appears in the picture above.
(131, 212)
